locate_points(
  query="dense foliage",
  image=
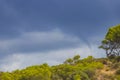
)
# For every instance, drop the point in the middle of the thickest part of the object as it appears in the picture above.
(72, 69)
(111, 42)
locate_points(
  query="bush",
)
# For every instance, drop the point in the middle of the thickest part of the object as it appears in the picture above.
(115, 65)
(118, 72)
(102, 60)
(90, 72)
(117, 77)
(84, 76)
(117, 58)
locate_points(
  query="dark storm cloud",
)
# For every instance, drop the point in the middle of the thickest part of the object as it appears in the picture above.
(83, 18)
(79, 17)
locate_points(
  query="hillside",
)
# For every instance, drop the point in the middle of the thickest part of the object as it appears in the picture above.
(72, 69)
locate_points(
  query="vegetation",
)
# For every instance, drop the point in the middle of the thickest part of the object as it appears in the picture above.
(89, 68)
(72, 69)
(111, 42)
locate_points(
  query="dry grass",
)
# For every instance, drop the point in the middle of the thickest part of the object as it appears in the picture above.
(105, 74)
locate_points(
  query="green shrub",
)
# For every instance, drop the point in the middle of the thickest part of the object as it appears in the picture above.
(117, 77)
(90, 72)
(117, 72)
(84, 76)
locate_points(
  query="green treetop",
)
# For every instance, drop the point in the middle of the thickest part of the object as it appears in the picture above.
(111, 42)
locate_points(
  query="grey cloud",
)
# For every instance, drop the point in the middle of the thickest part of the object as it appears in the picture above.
(20, 60)
(38, 41)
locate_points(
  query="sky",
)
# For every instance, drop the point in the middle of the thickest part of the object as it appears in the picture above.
(33, 32)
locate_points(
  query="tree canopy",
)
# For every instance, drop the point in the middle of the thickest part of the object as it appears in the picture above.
(111, 42)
